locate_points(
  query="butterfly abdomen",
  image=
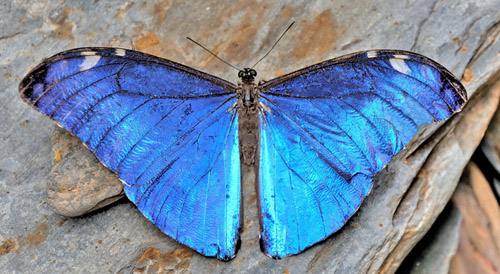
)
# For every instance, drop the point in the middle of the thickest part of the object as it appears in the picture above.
(248, 128)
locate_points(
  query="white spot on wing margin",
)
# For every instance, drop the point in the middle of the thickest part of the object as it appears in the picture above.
(399, 65)
(89, 62)
(120, 52)
(371, 54)
(401, 56)
(88, 53)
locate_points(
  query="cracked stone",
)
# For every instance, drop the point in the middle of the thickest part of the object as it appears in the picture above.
(407, 196)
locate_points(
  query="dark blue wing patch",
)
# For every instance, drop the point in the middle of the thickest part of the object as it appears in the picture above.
(169, 132)
(328, 129)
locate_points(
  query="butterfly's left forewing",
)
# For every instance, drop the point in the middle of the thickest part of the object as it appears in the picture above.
(328, 129)
(169, 132)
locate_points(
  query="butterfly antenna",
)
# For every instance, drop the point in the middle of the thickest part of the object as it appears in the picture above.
(274, 44)
(215, 55)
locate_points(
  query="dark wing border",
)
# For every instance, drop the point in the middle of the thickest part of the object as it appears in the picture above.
(361, 56)
(131, 55)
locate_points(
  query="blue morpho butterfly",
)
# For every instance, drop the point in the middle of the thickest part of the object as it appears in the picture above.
(175, 136)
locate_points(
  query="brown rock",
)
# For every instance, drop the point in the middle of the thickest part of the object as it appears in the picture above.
(479, 246)
(7, 246)
(79, 183)
(388, 223)
(154, 261)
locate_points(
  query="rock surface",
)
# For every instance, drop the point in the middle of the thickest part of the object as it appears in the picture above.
(490, 148)
(405, 201)
(434, 252)
(479, 247)
(91, 186)
(466, 236)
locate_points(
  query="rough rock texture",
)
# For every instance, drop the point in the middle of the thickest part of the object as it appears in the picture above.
(153, 261)
(434, 252)
(405, 201)
(479, 247)
(490, 148)
(471, 220)
(466, 236)
(91, 185)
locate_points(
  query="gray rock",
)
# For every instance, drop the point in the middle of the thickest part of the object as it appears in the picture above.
(406, 198)
(490, 147)
(434, 252)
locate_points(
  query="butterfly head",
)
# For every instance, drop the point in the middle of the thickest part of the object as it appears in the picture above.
(247, 74)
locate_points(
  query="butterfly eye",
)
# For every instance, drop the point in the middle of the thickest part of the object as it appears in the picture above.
(240, 74)
(253, 72)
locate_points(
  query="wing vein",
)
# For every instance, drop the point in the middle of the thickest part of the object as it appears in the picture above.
(298, 176)
(119, 122)
(90, 109)
(69, 76)
(153, 184)
(209, 171)
(345, 132)
(71, 96)
(312, 136)
(437, 92)
(185, 134)
(145, 134)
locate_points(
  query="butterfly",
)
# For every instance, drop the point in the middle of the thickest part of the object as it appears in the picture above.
(176, 136)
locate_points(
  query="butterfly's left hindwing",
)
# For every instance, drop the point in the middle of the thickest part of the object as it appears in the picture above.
(328, 129)
(169, 132)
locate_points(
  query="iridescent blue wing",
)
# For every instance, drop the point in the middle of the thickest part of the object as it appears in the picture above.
(169, 132)
(328, 129)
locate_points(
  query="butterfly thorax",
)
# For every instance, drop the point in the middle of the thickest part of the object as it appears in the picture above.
(248, 130)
